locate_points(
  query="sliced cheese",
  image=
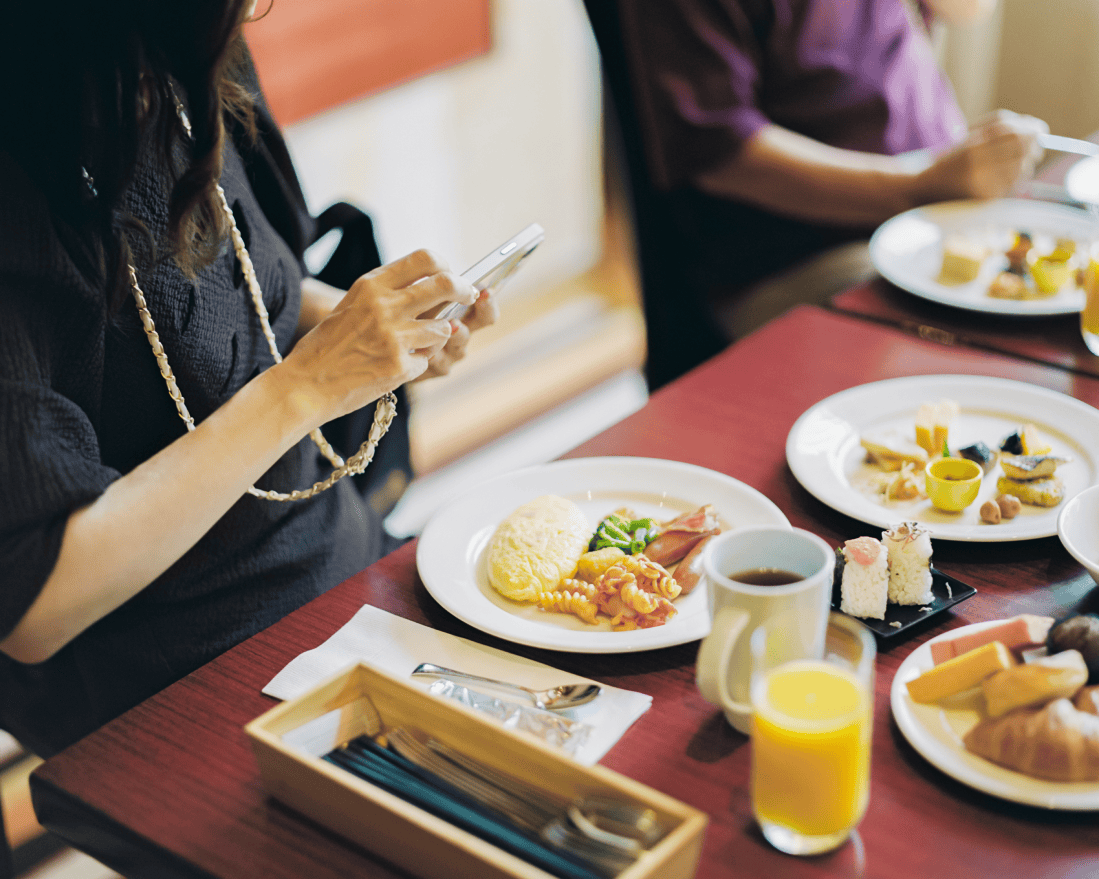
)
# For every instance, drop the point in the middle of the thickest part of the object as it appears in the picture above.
(960, 673)
(1037, 682)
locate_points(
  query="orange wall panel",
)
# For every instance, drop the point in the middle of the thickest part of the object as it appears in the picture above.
(317, 54)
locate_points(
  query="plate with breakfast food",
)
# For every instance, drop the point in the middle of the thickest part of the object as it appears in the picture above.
(589, 555)
(971, 458)
(1009, 707)
(1017, 257)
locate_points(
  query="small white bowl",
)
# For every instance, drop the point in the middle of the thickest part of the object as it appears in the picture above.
(1078, 528)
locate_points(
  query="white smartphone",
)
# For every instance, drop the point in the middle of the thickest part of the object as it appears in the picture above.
(496, 268)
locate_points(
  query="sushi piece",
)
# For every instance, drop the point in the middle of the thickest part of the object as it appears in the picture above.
(909, 548)
(864, 586)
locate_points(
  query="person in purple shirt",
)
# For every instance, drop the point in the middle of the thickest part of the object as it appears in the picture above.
(783, 128)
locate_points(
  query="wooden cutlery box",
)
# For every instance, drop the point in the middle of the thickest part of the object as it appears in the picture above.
(290, 740)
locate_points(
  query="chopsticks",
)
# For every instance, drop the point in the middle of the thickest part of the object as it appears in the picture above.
(367, 759)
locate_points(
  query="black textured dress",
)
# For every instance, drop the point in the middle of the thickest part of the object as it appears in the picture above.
(82, 402)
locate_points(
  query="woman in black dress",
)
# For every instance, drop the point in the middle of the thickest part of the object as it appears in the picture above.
(165, 492)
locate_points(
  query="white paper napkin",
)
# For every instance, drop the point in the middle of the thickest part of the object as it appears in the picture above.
(396, 645)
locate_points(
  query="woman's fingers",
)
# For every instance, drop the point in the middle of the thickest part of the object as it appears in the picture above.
(426, 279)
(441, 288)
(408, 269)
(484, 312)
(442, 360)
(427, 335)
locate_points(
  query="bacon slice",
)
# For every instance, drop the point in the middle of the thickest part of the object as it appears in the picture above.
(681, 535)
(689, 571)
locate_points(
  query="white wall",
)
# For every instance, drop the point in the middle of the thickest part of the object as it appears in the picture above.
(459, 160)
(1032, 56)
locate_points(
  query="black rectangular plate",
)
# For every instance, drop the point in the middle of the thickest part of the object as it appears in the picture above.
(909, 615)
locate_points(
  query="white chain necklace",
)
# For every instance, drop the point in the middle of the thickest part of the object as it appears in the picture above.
(383, 412)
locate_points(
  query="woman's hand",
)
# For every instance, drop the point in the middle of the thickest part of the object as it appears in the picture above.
(996, 155)
(374, 340)
(483, 314)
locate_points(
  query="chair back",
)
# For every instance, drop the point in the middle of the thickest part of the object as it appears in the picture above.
(681, 329)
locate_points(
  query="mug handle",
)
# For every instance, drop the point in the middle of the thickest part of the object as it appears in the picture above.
(714, 655)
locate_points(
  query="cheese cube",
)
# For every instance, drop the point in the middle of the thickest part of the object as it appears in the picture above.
(960, 673)
(962, 260)
(933, 425)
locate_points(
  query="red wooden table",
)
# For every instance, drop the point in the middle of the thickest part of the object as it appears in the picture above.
(1054, 340)
(171, 789)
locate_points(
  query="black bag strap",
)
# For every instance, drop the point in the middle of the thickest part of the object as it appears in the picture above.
(357, 252)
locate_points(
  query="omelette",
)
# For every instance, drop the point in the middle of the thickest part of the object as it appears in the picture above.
(536, 547)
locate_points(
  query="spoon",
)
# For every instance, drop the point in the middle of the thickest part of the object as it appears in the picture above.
(553, 699)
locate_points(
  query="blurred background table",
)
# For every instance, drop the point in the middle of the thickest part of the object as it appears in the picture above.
(1053, 340)
(170, 789)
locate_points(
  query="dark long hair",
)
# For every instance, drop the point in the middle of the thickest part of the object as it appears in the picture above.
(88, 85)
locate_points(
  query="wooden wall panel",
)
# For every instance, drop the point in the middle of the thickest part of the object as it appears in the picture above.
(316, 54)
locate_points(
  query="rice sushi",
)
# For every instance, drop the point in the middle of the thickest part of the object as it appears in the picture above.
(864, 586)
(909, 548)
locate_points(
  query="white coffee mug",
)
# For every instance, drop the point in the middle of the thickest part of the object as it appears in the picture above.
(723, 670)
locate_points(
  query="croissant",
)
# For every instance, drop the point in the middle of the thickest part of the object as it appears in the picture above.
(1057, 742)
(1087, 699)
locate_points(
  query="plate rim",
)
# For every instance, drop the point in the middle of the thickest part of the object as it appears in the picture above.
(659, 636)
(1077, 500)
(969, 769)
(805, 477)
(1041, 308)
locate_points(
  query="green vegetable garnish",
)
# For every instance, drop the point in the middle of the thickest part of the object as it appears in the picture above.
(630, 537)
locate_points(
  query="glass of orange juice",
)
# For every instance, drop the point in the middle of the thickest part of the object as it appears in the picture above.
(1089, 314)
(812, 721)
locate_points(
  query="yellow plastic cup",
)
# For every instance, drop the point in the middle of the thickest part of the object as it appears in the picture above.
(952, 483)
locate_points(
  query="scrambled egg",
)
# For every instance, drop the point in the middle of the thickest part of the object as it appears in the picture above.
(536, 547)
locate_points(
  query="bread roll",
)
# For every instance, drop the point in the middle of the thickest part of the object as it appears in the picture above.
(1087, 700)
(1035, 683)
(1056, 742)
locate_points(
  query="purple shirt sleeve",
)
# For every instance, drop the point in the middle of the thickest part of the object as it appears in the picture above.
(709, 74)
(696, 69)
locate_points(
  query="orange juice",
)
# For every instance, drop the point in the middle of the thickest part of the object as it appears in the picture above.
(811, 728)
(1089, 315)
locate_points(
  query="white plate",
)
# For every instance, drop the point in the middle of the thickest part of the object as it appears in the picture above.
(937, 733)
(824, 454)
(450, 554)
(1078, 528)
(908, 250)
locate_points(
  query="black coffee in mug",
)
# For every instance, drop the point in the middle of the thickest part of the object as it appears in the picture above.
(766, 577)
